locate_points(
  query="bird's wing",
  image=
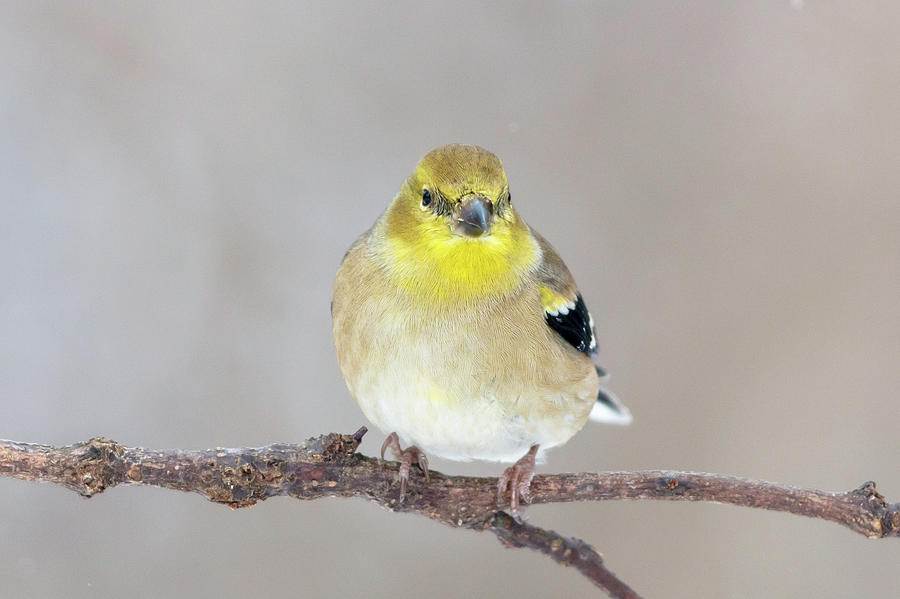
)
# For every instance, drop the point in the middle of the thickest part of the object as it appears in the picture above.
(564, 308)
(565, 313)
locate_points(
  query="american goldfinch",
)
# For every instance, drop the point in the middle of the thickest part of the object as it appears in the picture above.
(459, 329)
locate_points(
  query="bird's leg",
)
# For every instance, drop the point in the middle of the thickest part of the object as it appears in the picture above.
(517, 478)
(406, 457)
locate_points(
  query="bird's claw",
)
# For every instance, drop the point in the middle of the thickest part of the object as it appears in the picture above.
(406, 457)
(517, 478)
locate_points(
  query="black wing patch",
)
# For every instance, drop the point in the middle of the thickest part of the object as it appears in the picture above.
(575, 326)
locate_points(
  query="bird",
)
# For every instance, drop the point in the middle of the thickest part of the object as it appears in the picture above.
(460, 331)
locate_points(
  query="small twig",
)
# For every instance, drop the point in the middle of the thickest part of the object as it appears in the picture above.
(568, 552)
(328, 466)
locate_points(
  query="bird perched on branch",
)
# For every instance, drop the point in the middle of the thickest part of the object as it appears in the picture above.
(460, 330)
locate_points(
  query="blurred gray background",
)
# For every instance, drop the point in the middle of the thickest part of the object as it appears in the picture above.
(179, 185)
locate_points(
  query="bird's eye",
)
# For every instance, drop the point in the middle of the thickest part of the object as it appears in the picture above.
(426, 197)
(508, 198)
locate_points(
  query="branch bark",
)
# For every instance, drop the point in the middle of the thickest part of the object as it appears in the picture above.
(328, 466)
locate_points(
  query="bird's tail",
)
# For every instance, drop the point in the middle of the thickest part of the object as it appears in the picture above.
(608, 408)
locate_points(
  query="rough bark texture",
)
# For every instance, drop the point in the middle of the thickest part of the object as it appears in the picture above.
(328, 466)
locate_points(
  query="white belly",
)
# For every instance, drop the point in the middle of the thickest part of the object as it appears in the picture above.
(453, 423)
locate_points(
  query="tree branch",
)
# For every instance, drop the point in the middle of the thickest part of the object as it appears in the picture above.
(328, 466)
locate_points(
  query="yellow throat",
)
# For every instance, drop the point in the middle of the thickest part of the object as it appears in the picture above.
(441, 267)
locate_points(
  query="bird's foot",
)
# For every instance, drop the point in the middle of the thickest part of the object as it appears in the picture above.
(407, 457)
(517, 478)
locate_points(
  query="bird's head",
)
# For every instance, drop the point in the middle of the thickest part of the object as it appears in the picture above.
(456, 191)
(454, 218)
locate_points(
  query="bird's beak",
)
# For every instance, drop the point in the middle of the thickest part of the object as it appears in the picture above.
(474, 218)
